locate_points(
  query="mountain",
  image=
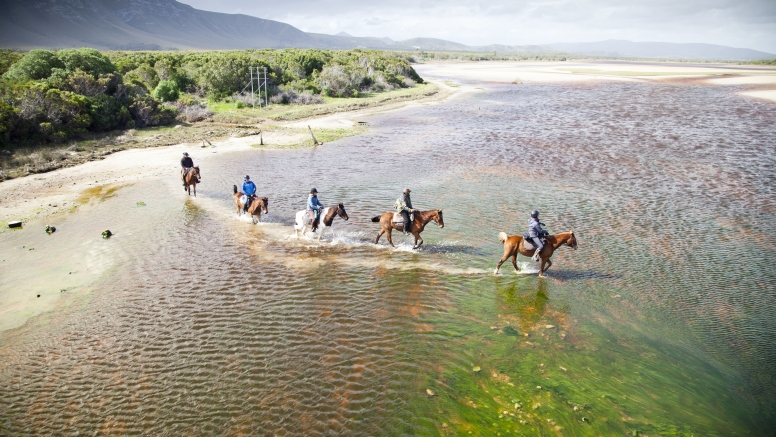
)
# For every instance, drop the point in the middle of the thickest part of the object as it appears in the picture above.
(137, 24)
(622, 48)
(168, 24)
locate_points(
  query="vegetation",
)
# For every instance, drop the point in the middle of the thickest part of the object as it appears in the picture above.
(763, 62)
(52, 96)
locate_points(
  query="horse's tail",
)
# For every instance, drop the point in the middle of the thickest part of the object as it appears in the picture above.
(235, 189)
(376, 219)
(502, 237)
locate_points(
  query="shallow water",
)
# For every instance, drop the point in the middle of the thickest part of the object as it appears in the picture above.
(661, 322)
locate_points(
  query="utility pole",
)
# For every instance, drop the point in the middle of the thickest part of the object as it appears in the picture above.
(253, 99)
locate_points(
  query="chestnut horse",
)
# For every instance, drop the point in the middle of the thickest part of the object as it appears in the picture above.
(327, 219)
(190, 180)
(422, 218)
(255, 207)
(514, 244)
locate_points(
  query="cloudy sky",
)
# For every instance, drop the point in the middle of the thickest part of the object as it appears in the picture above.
(737, 23)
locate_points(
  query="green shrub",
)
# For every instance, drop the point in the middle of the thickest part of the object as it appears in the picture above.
(7, 59)
(146, 111)
(166, 91)
(107, 114)
(90, 61)
(36, 65)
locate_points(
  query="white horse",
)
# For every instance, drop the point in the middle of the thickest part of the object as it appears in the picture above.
(303, 220)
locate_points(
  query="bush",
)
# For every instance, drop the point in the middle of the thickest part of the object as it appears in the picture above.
(107, 114)
(90, 61)
(146, 111)
(36, 65)
(166, 91)
(195, 113)
(7, 59)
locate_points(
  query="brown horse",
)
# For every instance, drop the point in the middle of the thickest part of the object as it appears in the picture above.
(515, 244)
(421, 220)
(190, 180)
(255, 207)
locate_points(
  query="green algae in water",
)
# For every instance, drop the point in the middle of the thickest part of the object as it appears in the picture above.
(568, 376)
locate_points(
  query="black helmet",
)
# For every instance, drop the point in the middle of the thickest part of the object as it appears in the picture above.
(534, 213)
(247, 177)
(185, 153)
(313, 191)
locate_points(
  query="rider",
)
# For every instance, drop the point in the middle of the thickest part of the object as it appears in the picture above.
(536, 233)
(403, 206)
(186, 164)
(249, 189)
(314, 207)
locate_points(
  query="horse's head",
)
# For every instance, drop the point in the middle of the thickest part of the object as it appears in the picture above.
(265, 205)
(572, 241)
(196, 169)
(341, 211)
(437, 217)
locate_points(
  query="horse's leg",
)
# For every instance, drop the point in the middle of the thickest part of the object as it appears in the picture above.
(379, 234)
(549, 264)
(195, 190)
(417, 237)
(388, 235)
(321, 234)
(501, 261)
(514, 261)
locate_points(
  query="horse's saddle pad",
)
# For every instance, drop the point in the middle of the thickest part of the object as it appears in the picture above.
(399, 220)
(243, 199)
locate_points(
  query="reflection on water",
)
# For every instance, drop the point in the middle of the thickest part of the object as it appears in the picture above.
(662, 322)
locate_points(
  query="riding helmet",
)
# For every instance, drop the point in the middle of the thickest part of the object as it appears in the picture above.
(185, 153)
(247, 177)
(534, 213)
(313, 191)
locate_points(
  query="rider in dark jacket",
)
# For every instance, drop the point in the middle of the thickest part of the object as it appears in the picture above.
(536, 233)
(186, 164)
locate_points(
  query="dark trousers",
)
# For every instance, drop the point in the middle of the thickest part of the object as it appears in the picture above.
(407, 224)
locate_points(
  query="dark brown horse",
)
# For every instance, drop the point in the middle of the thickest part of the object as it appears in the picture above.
(421, 220)
(515, 244)
(255, 205)
(190, 180)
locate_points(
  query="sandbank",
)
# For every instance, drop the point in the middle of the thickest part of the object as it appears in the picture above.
(569, 71)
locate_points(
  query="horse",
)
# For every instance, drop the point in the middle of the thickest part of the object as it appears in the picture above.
(255, 207)
(418, 224)
(190, 180)
(515, 244)
(327, 218)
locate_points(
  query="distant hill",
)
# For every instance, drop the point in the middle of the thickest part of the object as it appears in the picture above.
(168, 24)
(136, 24)
(622, 48)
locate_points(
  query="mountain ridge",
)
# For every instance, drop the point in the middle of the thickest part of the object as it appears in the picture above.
(170, 25)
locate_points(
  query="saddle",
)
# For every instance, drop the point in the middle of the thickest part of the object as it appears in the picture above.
(528, 241)
(246, 200)
(398, 220)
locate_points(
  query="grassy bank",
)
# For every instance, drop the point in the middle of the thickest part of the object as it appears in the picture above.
(227, 121)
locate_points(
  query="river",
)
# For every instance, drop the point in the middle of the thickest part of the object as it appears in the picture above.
(663, 321)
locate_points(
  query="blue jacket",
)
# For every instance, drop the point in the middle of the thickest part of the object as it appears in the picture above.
(313, 203)
(249, 188)
(535, 228)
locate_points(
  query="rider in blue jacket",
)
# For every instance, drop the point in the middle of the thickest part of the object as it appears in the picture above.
(249, 189)
(536, 233)
(314, 207)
